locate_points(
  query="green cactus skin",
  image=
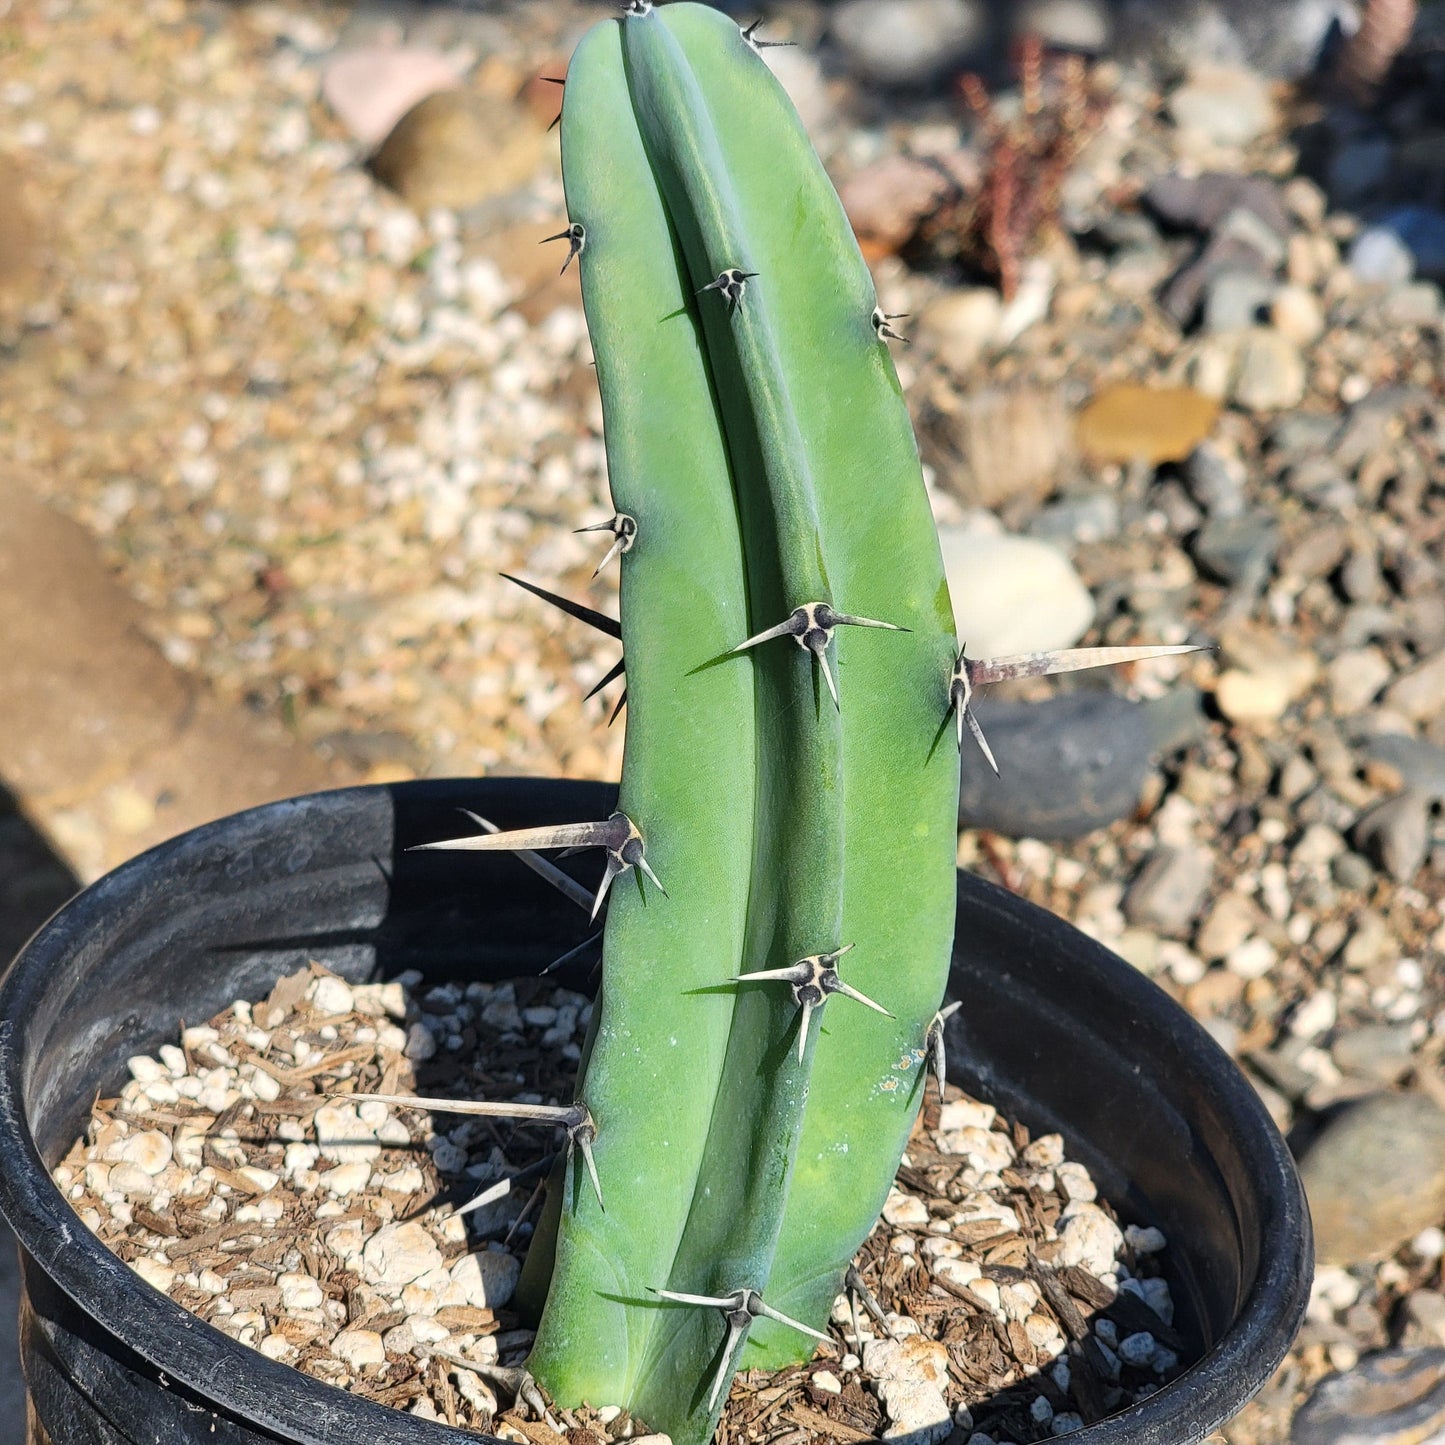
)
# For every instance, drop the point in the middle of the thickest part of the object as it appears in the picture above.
(761, 444)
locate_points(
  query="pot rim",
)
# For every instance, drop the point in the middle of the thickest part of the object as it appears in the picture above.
(230, 1378)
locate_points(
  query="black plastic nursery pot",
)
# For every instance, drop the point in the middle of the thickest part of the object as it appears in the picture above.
(1055, 1030)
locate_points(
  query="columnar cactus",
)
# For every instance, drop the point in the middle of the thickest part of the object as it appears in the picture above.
(778, 878)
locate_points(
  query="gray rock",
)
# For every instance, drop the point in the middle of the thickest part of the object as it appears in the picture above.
(1395, 834)
(1379, 1052)
(1394, 1397)
(1235, 299)
(1421, 764)
(1237, 550)
(1093, 747)
(1091, 517)
(1169, 890)
(1379, 257)
(1215, 480)
(1350, 870)
(1202, 202)
(1375, 1177)
(1303, 434)
(907, 42)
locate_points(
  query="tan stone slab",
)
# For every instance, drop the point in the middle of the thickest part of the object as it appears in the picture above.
(107, 747)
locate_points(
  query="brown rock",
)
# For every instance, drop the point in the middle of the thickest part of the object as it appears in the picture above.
(458, 148)
(1129, 423)
(992, 447)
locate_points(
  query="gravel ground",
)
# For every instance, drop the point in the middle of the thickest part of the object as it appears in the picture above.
(250, 1171)
(310, 425)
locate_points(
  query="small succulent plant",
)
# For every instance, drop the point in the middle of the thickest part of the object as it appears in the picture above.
(779, 875)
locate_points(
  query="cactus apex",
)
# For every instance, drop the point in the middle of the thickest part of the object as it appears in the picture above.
(933, 1044)
(731, 284)
(576, 237)
(624, 531)
(884, 331)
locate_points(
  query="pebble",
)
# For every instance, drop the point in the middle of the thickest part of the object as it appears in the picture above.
(1226, 106)
(1232, 919)
(1393, 1397)
(1252, 697)
(1167, 894)
(149, 1150)
(998, 445)
(486, 1278)
(1395, 834)
(359, 1348)
(1254, 958)
(1234, 300)
(343, 1136)
(1013, 594)
(1378, 257)
(906, 42)
(1297, 315)
(332, 996)
(910, 1376)
(1083, 26)
(300, 1292)
(1088, 1237)
(399, 1253)
(1420, 693)
(1269, 371)
(1417, 303)
(1382, 1053)
(1421, 764)
(1216, 480)
(1355, 677)
(1237, 550)
(1375, 1177)
(959, 325)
